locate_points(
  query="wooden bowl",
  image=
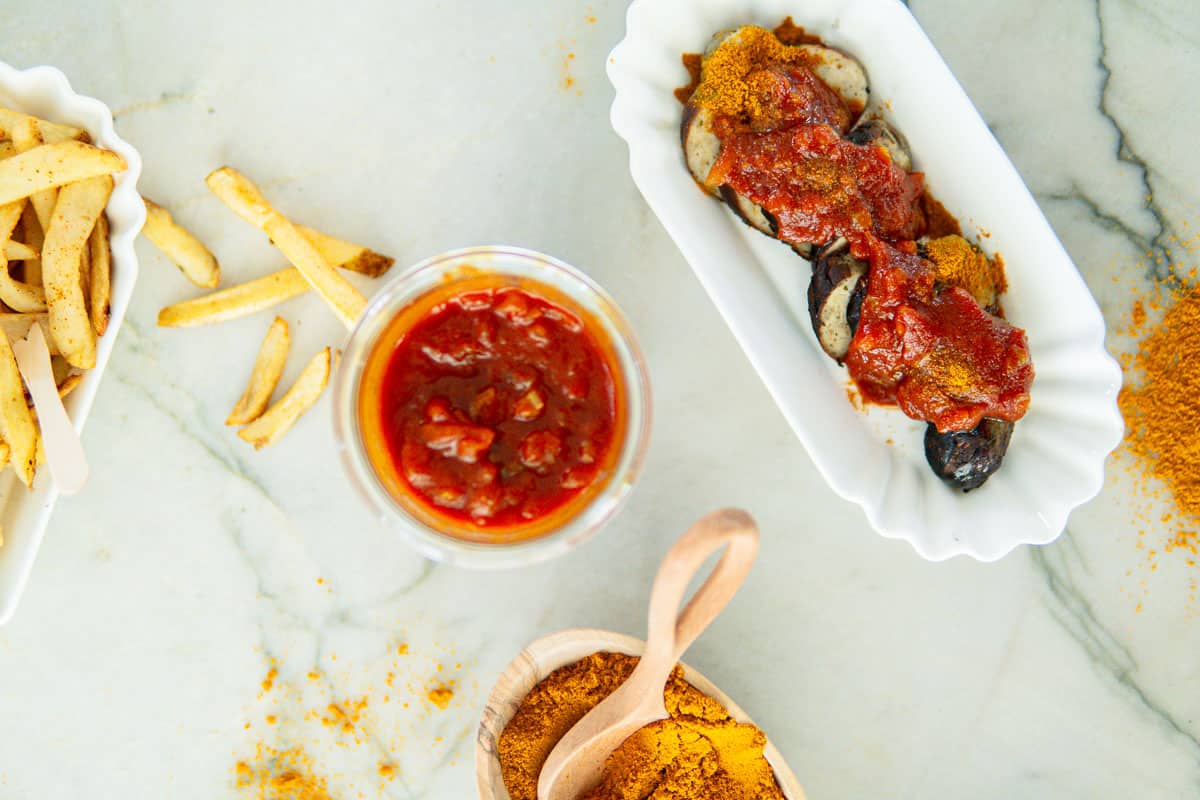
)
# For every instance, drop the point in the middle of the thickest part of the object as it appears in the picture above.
(549, 653)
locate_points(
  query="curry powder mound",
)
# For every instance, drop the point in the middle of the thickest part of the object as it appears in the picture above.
(957, 263)
(728, 80)
(698, 753)
(1160, 408)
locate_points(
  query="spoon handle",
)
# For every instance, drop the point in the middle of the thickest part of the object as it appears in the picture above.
(576, 762)
(669, 636)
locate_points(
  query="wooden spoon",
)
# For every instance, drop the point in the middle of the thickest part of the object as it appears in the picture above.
(576, 762)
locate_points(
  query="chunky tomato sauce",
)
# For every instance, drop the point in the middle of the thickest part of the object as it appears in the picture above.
(820, 186)
(498, 408)
(784, 95)
(938, 355)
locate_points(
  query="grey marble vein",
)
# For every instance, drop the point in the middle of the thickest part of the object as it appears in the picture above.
(1073, 611)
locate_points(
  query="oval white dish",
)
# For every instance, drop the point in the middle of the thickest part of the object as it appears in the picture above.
(874, 457)
(46, 93)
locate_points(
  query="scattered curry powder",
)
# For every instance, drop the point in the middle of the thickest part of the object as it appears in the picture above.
(1159, 404)
(441, 694)
(698, 753)
(290, 765)
(281, 775)
(345, 715)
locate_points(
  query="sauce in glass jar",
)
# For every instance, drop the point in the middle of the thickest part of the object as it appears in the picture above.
(493, 409)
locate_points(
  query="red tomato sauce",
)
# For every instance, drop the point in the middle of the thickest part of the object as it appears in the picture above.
(938, 355)
(820, 186)
(786, 95)
(498, 408)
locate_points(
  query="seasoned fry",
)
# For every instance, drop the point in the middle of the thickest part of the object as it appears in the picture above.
(54, 165)
(19, 430)
(26, 135)
(21, 297)
(346, 255)
(280, 417)
(16, 295)
(58, 365)
(236, 301)
(268, 368)
(15, 251)
(79, 206)
(10, 215)
(53, 131)
(85, 273)
(194, 260)
(244, 198)
(101, 278)
(32, 233)
(69, 384)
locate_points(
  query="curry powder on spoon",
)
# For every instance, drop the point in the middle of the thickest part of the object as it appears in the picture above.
(698, 753)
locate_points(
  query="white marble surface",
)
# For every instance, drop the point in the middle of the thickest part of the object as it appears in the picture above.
(190, 564)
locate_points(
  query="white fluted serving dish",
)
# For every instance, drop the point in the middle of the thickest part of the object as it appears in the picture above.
(24, 513)
(874, 457)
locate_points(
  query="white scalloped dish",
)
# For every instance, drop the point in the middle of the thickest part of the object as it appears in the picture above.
(874, 456)
(46, 93)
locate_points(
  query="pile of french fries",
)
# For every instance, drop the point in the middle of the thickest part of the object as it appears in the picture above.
(315, 258)
(55, 264)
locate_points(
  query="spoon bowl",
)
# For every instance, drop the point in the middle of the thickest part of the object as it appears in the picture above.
(547, 654)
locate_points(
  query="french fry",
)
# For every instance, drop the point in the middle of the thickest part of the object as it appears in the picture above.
(24, 298)
(69, 384)
(19, 430)
(79, 206)
(15, 251)
(59, 366)
(32, 233)
(85, 274)
(5, 454)
(7, 150)
(268, 368)
(16, 295)
(53, 131)
(244, 198)
(247, 298)
(236, 301)
(10, 215)
(101, 278)
(279, 418)
(346, 255)
(26, 135)
(189, 254)
(53, 165)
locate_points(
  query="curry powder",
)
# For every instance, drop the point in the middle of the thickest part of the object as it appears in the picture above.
(957, 263)
(730, 76)
(698, 753)
(1160, 408)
